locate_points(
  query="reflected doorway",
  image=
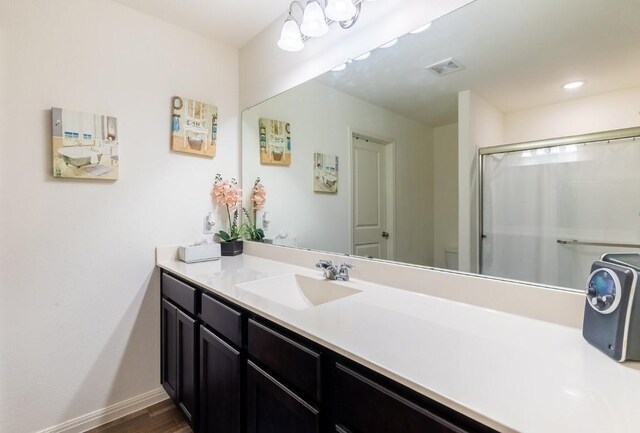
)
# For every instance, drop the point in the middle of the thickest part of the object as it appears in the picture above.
(372, 197)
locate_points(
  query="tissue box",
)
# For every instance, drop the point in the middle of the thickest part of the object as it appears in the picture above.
(199, 253)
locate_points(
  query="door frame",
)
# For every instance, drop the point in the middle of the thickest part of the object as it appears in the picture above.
(390, 156)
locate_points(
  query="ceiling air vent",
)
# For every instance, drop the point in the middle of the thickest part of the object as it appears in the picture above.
(445, 67)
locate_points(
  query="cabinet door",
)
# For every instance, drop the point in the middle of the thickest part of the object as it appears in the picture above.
(272, 408)
(220, 385)
(364, 406)
(187, 334)
(169, 345)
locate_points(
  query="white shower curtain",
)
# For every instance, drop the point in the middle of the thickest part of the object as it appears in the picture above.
(532, 199)
(520, 217)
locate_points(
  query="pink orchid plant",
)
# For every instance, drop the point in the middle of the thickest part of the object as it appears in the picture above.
(257, 201)
(227, 193)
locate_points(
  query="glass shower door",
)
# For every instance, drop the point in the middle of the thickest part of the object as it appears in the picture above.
(549, 213)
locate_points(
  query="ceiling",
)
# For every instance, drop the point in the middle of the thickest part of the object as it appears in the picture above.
(517, 54)
(232, 22)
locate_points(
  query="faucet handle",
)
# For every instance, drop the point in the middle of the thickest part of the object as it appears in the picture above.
(346, 265)
(324, 264)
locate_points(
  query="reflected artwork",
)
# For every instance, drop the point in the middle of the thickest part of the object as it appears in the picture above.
(325, 173)
(85, 146)
(275, 142)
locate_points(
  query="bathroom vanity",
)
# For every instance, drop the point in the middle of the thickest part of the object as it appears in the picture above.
(231, 370)
(370, 357)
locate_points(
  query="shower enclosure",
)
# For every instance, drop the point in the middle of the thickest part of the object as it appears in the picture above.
(549, 209)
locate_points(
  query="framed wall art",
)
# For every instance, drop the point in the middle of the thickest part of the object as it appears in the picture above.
(194, 127)
(85, 146)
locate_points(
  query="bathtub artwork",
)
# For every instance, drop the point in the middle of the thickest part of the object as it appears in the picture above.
(275, 142)
(325, 173)
(85, 146)
(194, 127)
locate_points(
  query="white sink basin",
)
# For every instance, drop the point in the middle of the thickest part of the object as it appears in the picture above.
(297, 291)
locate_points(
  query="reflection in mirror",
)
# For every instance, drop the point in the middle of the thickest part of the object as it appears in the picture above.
(396, 155)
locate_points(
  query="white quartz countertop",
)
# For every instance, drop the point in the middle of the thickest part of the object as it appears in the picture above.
(509, 372)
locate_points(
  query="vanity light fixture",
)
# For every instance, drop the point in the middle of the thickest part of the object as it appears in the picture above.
(573, 85)
(389, 44)
(314, 23)
(420, 29)
(363, 56)
(340, 10)
(316, 20)
(291, 37)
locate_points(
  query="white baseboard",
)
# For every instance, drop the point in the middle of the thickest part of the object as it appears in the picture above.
(108, 414)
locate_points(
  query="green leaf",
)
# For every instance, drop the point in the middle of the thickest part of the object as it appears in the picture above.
(224, 236)
(260, 234)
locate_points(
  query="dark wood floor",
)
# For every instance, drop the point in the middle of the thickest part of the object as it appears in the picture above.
(163, 417)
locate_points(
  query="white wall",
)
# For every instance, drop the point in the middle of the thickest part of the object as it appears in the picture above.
(79, 293)
(266, 70)
(445, 195)
(321, 120)
(609, 111)
(480, 125)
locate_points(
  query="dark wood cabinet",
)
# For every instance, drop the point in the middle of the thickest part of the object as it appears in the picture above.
(220, 385)
(273, 408)
(179, 349)
(187, 352)
(169, 347)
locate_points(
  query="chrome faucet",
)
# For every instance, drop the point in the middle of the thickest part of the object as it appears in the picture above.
(332, 272)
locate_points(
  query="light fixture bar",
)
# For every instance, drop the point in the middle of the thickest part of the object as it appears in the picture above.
(344, 24)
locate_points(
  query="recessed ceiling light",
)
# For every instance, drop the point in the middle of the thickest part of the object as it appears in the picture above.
(420, 29)
(573, 85)
(342, 67)
(364, 56)
(389, 44)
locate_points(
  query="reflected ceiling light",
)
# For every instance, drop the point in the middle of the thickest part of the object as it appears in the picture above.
(340, 10)
(363, 56)
(389, 44)
(314, 23)
(573, 85)
(420, 29)
(342, 67)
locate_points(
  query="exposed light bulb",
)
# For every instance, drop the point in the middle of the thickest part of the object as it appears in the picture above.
(342, 67)
(363, 56)
(420, 29)
(314, 23)
(389, 44)
(573, 85)
(340, 10)
(290, 38)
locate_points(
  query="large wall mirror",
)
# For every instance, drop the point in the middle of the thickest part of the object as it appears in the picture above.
(442, 148)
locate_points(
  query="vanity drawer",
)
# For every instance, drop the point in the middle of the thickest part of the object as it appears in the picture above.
(180, 293)
(297, 366)
(222, 319)
(362, 405)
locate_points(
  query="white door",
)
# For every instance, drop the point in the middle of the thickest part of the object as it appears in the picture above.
(369, 198)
